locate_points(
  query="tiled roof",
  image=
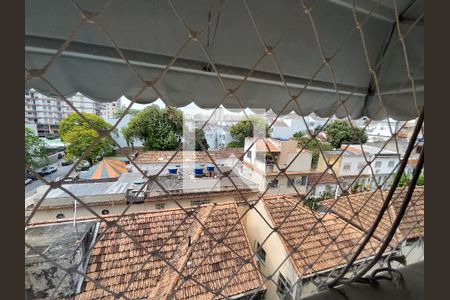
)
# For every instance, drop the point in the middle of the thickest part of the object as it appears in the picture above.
(162, 157)
(361, 210)
(264, 145)
(115, 258)
(325, 246)
(412, 224)
(315, 178)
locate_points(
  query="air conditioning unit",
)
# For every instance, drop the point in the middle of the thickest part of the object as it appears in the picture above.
(377, 171)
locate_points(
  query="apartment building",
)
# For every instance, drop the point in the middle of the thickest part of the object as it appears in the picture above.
(349, 167)
(46, 112)
(383, 162)
(264, 159)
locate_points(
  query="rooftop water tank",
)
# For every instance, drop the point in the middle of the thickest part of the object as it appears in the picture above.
(210, 168)
(198, 171)
(172, 170)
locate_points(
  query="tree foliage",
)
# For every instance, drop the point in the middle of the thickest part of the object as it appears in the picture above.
(200, 140)
(421, 180)
(79, 135)
(247, 128)
(121, 110)
(234, 144)
(35, 153)
(157, 128)
(405, 179)
(340, 132)
(312, 145)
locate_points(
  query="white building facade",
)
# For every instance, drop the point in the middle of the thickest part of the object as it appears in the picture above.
(46, 112)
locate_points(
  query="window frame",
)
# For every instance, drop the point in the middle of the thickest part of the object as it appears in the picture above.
(160, 205)
(283, 284)
(274, 185)
(347, 166)
(260, 253)
(290, 182)
(378, 164)
(303, 180)
(199, 202)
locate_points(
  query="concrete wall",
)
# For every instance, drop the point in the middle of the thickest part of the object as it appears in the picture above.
(286, 147)
(319, 190)
(283, 187)
(414, 251)
(323, 163)
(118, 206)
(257, 231)
(302, 162)
(282, 132)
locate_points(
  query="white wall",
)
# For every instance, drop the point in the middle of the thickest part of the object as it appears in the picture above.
(257, 231)
(282, 132)
(302, 162)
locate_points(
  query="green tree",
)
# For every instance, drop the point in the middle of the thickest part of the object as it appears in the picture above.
(298, 135)
(234, 144)
(35, 153)
(340, 132)
(421, 180)
(79, 135)
(405, 179)
(200, 140)
(121, 110)
(247, 128)
(313, 146)
(157, 128)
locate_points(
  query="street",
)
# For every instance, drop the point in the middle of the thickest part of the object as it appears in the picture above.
(30, 188)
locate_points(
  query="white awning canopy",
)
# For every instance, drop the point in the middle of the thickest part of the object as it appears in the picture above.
(235, 36)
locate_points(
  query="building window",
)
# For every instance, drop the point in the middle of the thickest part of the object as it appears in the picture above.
(283, 287)
(361, 165)
(378, 164)
(105, 212)
(274, 183)
(391, 164)
(199, 202)
(303, 180)
(60, 216)
(249, 154)
(260, 253)
(347, 166)
(160, 205)
(290, 182)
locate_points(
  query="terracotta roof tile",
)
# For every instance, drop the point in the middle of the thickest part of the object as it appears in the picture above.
(162, 157)
(412, 224)
(264, 145)
(115, 258)
(325, 246)
(315, 178)
(361, 210)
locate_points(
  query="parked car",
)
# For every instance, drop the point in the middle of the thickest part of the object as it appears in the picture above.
(48, 170)
(83, 166)
(27, 181)
(69, 179)
(67, 162)
(31, 176)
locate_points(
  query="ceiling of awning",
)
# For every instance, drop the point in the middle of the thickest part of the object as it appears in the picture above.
(234, 37)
